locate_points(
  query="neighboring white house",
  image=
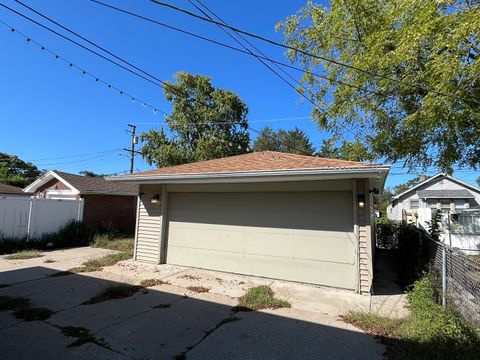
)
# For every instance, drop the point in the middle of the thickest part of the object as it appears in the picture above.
(285, 216)
(441, 191)
(454, 198)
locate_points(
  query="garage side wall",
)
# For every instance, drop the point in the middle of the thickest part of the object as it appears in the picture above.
(149, 224)
(365, 238)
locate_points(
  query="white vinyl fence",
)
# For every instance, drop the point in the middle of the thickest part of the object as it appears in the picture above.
(31, 217)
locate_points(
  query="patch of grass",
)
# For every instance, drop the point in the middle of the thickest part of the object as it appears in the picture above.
(162, 306)
(114, 292)
(22, 308)
(32, 314)
(260, 297)
(82, 334)
(430, 332)
(153, 282)
(100, 263)
(25, 254)
(198, 289)
(13, 303)
(105, 241)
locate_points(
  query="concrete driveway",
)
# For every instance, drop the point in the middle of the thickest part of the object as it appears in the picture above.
(166, 321)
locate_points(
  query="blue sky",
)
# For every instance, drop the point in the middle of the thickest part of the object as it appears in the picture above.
(56, 117)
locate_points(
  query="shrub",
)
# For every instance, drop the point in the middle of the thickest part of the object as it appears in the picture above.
(74, 233)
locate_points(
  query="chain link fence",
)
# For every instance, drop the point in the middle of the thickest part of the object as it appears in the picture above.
(457, 278)
(456, 275)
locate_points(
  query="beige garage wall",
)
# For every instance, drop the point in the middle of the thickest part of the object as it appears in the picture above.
(294, 245)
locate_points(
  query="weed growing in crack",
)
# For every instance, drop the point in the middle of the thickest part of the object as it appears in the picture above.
(153, 282)
(198, 289)
(114, 292)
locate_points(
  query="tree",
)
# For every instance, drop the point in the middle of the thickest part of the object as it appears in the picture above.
(206, 123)
(88, 173)
(293, 141)
(398, 189)
(478, 181)
(349, 150)
(16, 172)
(411, 85)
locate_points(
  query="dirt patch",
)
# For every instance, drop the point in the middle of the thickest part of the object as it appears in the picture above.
(198, 289)
(189, 277)
(153, 282)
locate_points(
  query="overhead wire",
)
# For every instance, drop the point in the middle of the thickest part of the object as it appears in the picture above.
(330, 60)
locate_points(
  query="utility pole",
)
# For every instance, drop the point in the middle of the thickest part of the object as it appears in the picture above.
(132, 150)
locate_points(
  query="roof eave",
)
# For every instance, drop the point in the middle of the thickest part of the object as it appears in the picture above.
(258, 176)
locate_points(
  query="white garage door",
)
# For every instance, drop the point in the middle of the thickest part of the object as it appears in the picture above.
(299, 236)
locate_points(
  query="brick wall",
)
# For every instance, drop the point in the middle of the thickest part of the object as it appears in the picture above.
(113, 212)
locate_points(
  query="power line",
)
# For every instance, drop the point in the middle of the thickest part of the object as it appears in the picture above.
(306, 53)
(305, 71)
(162, 83)
(83, 71)
(73, 156)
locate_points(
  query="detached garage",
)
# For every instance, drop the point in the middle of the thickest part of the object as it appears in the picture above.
(270, 214)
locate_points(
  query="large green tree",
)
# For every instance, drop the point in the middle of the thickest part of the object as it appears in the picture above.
(14, 171)
(206, 123)
(409, 85)
(348, 150)
(293, 141)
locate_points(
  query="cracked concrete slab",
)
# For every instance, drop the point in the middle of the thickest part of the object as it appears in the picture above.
(165, 333)
(90, 351)
(37, 268)
(99, 316)
(31, 340)
(7, 320)
(286, 334)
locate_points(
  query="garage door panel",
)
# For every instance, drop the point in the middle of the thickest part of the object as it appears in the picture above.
(277, 242)
(324, 273)
(292, 236)
(333, 220)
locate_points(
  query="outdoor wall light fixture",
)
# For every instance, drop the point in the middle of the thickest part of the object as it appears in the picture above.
(361, 201)
(155, 199)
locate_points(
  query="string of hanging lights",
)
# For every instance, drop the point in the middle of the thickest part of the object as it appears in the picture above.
(83, 71)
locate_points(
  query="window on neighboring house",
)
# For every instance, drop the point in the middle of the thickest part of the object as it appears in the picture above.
(414, 204)
(432, 204)
(460, 203)
(445, 204)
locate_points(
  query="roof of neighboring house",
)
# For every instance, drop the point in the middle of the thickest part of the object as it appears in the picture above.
(445, 194)
(9, 189)
(256, 164)
(84, 184)
(434, 178)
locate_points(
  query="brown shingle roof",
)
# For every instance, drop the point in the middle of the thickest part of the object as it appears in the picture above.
(98, 185)
(256, 161)
(9, 189)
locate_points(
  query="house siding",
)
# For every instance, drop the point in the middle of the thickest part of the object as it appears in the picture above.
(147, 242)
(366, 241)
